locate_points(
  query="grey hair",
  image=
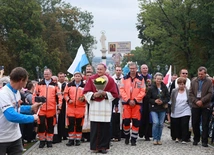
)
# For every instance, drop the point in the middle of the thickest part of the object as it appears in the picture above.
(132, 64)
(54, 76)
(5, 79)
(202, 68)
(158, 74)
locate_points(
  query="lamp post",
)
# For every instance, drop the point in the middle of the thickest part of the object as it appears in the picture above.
(41, 73)
(174, 69)
(166, 67)
(37, 71)
(158, 68)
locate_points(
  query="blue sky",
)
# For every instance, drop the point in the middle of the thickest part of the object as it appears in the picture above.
(117, 18)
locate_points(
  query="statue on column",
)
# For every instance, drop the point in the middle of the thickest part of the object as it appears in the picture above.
(102, 40)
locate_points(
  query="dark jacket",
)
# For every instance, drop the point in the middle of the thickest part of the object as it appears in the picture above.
(206, 93)
(153, 95)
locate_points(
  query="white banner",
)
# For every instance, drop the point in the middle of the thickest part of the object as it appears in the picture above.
(119, 47)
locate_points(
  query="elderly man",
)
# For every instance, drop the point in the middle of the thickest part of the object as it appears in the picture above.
(200, 95)
(145, 123)
(100, 100)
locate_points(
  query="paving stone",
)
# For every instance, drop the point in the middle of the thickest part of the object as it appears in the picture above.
(168, 147)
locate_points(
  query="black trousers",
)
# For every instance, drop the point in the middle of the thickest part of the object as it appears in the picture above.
(115, 125)
(75, 124)
(200, 115)
(11, 148)
(62, 130)
(180, 127)
(28, 131)
(100, 135)
(145, 128)
(172, 129)
(46, 125)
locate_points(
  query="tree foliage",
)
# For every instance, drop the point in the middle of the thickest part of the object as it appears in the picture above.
(21, 29)
(181, 32)
(42, 33)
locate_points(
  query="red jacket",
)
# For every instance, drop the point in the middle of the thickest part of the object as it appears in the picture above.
(52, 94)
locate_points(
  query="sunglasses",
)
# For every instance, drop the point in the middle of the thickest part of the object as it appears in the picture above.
(185, 73)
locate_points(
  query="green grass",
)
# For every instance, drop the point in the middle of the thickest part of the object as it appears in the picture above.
(209, 141)
(28, 145)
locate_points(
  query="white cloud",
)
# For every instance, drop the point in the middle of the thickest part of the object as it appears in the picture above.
(117, 18)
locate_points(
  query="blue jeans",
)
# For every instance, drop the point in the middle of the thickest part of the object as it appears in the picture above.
(157, 127)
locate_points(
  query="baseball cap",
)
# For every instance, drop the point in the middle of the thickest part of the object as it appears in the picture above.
(77, 72)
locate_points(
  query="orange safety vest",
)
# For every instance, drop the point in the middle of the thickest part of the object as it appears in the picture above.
(51, 92)
(132, 89)
(75, 93)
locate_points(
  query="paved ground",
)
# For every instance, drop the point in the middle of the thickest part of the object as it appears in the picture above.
(169, 147)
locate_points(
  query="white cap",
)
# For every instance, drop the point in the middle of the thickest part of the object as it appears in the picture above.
(77, 73)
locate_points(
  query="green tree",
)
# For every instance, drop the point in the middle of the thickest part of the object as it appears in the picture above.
(42, 33)
(21, 29)
(67, 28)
(177, 31)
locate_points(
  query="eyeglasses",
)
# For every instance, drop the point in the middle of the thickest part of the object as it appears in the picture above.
(185, 73)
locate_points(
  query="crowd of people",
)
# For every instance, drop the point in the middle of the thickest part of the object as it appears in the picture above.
(99, 108)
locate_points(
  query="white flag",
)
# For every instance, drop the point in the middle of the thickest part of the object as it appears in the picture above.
(168, 76)
(79, 61)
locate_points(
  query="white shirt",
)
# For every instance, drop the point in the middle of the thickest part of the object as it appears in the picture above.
(181, 106)
(100, 111)
(9, 131)
(47, 82)
(118, 82)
